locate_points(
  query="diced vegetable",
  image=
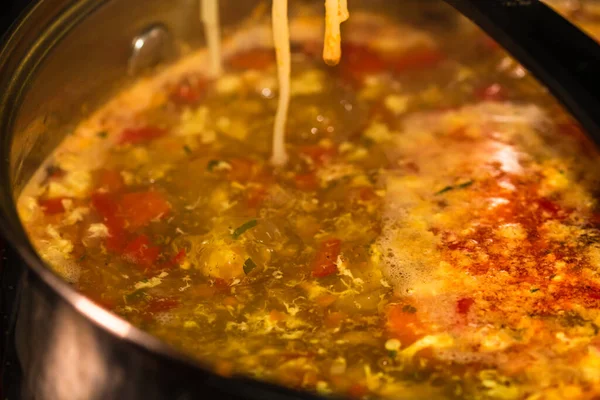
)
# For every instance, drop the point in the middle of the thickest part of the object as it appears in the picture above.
(53, 206)
(418, 59)
(141, 135)
(403, 323)
(319, 155)
(324, 263)
(359, 61)
(111, 180)
(249, 266)
(464, 305)
(189, 92)
(242, 170)
(239, 231)
(307, 182)
(107, 207)
(140, 208)
(141, 252)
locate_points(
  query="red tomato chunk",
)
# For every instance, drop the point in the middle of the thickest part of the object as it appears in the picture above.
(324, 263)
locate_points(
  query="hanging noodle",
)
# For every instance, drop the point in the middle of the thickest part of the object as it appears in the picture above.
(209, 14)
(281, 37)
(336, 12)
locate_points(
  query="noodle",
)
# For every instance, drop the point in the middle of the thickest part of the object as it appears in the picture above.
(336, 12)
(344, 13)
(209, 10)
(281, 37)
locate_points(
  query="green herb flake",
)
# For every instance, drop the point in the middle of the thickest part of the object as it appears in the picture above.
(409, 309)
(187, 149)
(134, 296)
(102, 134)
(534, 290)
(392, 354)
(212, 164)
(83, 257)
(243, 228)
(249, 266)
(444, 190)
(460, 186)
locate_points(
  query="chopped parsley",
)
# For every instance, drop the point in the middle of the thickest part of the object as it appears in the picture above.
(243, 228)
(534, 290)
(461, 186)
(187, 149)
(249, 266)
(102, 134)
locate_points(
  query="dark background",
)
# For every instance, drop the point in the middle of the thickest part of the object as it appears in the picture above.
(9, 9)
(9, 369)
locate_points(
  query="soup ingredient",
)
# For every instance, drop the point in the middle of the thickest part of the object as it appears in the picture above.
(284, 65)
(209, 14)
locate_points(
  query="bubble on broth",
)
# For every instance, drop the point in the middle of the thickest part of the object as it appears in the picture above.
(165, 318)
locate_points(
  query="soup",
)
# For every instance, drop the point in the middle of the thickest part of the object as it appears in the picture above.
(433, 233)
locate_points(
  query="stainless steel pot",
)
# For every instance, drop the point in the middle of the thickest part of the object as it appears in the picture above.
(63, 58)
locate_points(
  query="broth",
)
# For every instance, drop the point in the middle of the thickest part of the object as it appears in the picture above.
(434, 233)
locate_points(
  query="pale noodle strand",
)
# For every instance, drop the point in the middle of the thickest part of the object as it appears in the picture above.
(336, 12)
(281, 37)
(344, 13)
(209, 14)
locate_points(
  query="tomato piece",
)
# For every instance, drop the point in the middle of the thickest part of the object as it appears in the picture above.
(324, 263)
(161, 304)
(177, 258)
(493, 92)
(141, 135)
(312, 49)
(141, 252)
(307, 182)
(242, 170)
(359, 61)
(358, 391)
(111, 180)
(256, 196)
(418, 59)
(139, 208)
(105, 204)
(464, 305)
(260, 58)
(551, 208)
(52, 206)
(318, 154)
(362, 195)
(189, 93)
(404, 324)
(107, 207)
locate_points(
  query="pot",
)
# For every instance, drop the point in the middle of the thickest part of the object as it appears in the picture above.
(62, 59)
